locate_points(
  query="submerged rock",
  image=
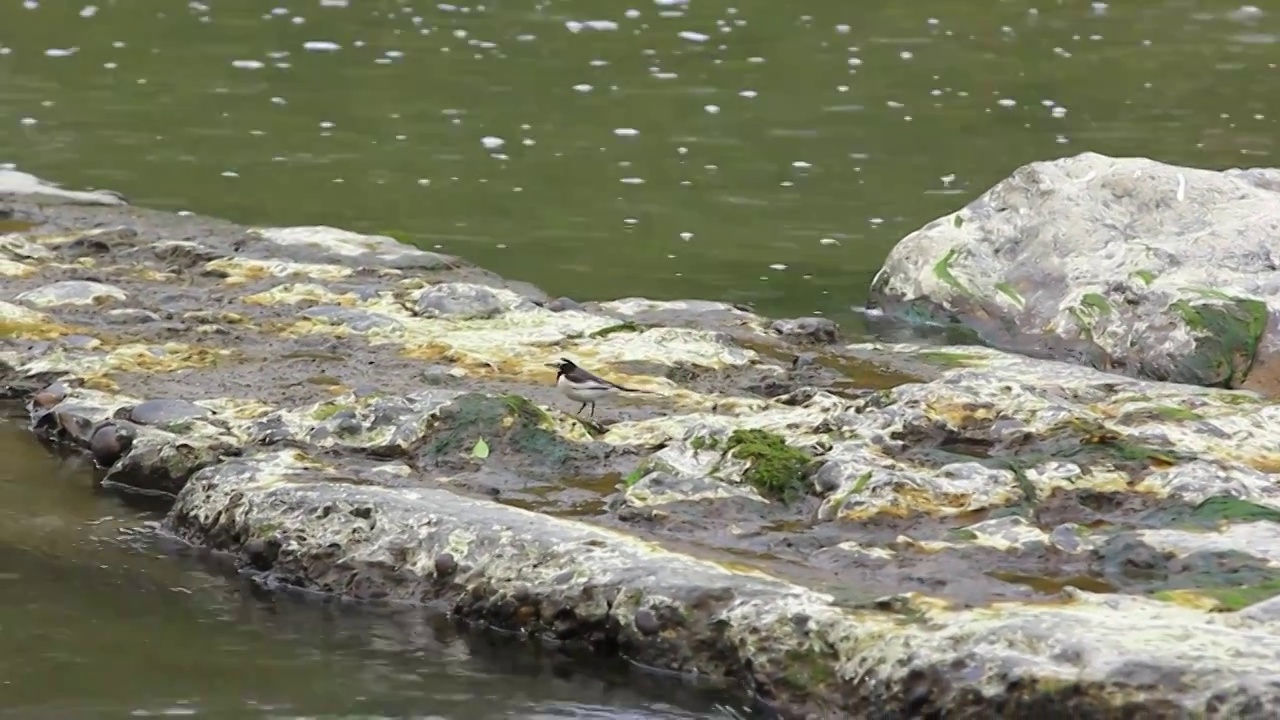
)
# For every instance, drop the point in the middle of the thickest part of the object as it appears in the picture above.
(1127, 264)
(919, 530)
(32, 189)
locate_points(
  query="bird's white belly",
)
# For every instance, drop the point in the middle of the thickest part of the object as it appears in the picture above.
(582, 393)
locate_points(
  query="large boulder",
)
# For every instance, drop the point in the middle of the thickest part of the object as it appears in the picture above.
(1124, 264)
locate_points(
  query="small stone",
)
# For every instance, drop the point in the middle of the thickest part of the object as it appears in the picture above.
(561, 304)
(261, 554)
(646, 622)
(445, 565)
(464, 301)
(130, 316)
(47, 398)
(803, 360)
(808, 329)
(357, 319)
(110, 442)
(165, 411)
(72, 292)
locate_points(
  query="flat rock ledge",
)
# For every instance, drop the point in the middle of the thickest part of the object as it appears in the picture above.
(841, 530)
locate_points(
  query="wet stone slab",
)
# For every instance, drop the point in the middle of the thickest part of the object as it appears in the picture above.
(832, 527)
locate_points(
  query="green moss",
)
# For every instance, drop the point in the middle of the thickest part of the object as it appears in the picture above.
(1227, 334)
(1097, 303)
(627, 326)
(1084, 321)
(962, 534)
(1229, 599)
(512, 427)
(808, 670)
(774, 469)
(634, 476)
(1237, 398)
(1146, 276)
(1237, 598)
(957, 221)
(1103, 443)
(1224, 508)
(1170, 413)
(1010, 292)
(861, 483)
(705, 442)
(328, 410)
(1030, 496)
(520, 405)
(1092, 307)
(942, 271)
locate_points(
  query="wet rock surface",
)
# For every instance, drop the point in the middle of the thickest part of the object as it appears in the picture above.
(833, 526)
(1124, 264)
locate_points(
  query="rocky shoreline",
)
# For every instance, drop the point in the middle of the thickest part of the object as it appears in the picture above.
(843, 530)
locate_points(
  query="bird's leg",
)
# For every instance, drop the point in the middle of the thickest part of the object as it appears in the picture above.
(584, 407)
(593, 410)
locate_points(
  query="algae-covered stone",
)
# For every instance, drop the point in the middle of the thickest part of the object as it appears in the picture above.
(1154, 270)
(590, 588)
(328, 244)
(918, 530)
(463, 300)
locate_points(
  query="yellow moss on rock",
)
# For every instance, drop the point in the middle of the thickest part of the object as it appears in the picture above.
(293, 293)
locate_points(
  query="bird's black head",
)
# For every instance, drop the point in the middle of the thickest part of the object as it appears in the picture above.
(563, 366)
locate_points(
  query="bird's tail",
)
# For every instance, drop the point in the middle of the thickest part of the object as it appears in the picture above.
(624, 388)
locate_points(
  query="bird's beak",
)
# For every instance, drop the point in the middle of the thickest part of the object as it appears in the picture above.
(554, 366)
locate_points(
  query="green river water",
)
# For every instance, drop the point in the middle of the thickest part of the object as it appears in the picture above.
(752, 151)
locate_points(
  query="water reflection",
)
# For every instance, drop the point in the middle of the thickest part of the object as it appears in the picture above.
(755, 132)
(99, 618)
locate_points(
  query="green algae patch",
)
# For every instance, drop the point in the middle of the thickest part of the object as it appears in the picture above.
(328, 410)
(1238, 598)
(508, 424)
(1222, 599)
(633, 477)
(774, 468)
(1175, 413)
(1227, 335)
(1224, 508)
(705, 442)
(1010, 292)
(1096, 303)
(1161, 413)
(1092, 307)
(1145, 276)
(1097, 442)
(621, 327)
(942, 271)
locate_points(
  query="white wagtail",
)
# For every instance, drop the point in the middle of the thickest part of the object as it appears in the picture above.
(581, 386)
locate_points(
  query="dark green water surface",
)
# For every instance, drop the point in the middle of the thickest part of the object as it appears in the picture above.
(757, 151)
(101, 618)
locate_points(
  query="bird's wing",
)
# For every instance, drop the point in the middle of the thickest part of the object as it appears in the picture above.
(583, 378)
